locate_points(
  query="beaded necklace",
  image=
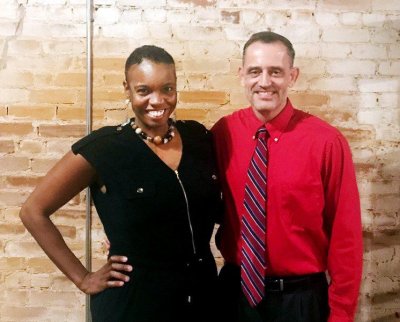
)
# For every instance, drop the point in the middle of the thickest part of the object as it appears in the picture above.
(157, 140)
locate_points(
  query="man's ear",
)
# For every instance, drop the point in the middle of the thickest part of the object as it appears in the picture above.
(294, 74)
(240, 74)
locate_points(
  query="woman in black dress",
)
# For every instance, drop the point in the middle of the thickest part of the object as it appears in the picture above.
(154, 187)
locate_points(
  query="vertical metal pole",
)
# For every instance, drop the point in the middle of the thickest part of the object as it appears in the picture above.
(89, 101)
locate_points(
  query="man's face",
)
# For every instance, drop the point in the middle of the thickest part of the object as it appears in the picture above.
(266, 75)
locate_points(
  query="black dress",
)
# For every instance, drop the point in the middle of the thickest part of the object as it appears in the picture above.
(161, 219)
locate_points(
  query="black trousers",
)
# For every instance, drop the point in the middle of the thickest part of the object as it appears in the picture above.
(308, 303)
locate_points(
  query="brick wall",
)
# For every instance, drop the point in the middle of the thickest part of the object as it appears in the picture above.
(349, 55)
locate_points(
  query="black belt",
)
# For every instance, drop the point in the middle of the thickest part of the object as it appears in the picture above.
(294, 283)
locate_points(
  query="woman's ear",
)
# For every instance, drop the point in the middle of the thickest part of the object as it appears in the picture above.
(127, 89)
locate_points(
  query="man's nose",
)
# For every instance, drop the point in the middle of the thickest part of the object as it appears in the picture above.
(265, 79)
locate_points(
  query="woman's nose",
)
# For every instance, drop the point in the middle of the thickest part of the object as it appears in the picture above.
(156, 98)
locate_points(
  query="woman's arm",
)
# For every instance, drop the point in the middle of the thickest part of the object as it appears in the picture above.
(64, 181)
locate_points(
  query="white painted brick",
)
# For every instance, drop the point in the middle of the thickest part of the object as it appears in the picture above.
(303, 82)
(388, 5)
(104, 3)
(303, 34)
(345, 84)
(15, 95)
(205, 65)
(345, 35)
(351, 67)
(45, 30)
(327, 18)
(390, 68)
(307, 50)
(131, 16)
(237, 33)
(114, 47)
(374, 85)
(219, 49)
(160, 31)
(351, 18)
(389, 133)
(155, 15)
(389, 100)
(194, 33)
(369, 51)
(384, 36)
(121, 30)
(348, 100)
(177, 50)
(373, 19)
(46, 2)
(66, 47)
(106, 16)
(309, 66)
(206, 16)
(291, 5)
(9, 11)
(335, 50)
(384, 220)
(378, 187)
(393, 21)
(17, 46)
(143, 4)
(368, 100)
(274, 19)
(301, 17)
(180, 17)
(8, 29)
(250, 17)
(369, 117)
(64, 14)
(36, 29)
(394, 51)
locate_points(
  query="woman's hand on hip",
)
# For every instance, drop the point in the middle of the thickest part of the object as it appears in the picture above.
(108, 276)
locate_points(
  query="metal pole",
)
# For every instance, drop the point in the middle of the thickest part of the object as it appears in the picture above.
(89, 101)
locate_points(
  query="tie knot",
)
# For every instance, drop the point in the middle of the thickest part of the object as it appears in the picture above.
(261, 133)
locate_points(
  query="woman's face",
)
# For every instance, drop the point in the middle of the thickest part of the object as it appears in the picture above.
(151, 88)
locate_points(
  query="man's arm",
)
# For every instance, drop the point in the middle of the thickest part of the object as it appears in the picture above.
(343, 216)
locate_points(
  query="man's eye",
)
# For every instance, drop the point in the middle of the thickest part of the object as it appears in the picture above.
(253, 72)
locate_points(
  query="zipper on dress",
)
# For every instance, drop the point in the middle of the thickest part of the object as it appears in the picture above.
(187, 211)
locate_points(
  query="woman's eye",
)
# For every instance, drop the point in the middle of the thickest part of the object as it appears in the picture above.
(169, 89)
(142, 91)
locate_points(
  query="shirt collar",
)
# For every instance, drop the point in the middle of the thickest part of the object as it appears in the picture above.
(277, 125)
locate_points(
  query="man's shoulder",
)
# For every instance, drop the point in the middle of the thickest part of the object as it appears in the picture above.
(234, 118)
(314, 123)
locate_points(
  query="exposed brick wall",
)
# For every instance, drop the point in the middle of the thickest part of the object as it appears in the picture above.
(349, 55)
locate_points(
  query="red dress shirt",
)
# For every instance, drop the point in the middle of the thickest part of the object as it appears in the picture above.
(313, 207)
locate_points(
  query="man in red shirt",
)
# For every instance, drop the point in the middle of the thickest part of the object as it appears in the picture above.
(312, 209)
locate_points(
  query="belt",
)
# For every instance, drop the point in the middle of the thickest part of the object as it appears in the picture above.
(293, 283)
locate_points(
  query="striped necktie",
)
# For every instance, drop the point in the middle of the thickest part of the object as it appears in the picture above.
(254, 223)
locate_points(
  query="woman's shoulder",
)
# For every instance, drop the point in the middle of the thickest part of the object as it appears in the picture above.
(101, 135)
